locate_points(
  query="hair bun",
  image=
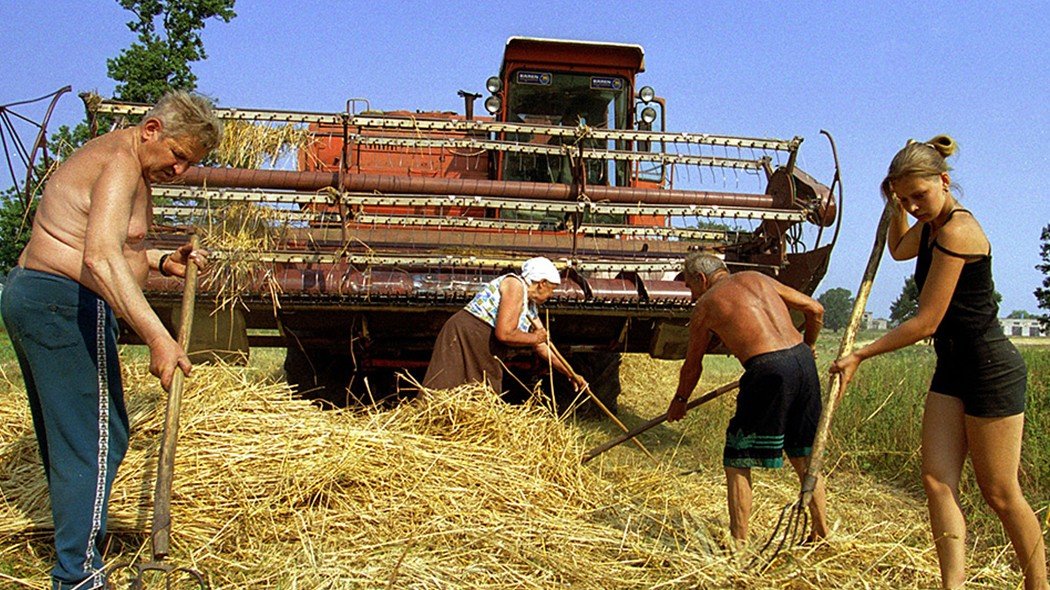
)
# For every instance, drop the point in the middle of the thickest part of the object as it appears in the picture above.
(944, 145)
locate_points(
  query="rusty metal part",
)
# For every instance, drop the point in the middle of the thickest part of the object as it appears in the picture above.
(39, 146)
(548, 150)
(618, 290)
(190, 212)
(211, 195)
(476, 127)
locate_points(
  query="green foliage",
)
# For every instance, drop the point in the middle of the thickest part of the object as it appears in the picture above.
(65, 141)
(160, 60)
(907, 303)
(1042, 294)
(14, 228)
(838, 305)
(1019, 314)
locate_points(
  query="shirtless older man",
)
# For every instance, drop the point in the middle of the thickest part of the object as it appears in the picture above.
(84, 266)
(779, 402)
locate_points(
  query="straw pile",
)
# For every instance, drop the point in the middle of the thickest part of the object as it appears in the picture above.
(457, 490)
(238, 235)
(253, 145)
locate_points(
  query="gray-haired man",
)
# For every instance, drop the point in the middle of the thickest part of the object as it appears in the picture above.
(84, 266)
(778, 406)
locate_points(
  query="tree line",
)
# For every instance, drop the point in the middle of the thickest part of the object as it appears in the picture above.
(838, 302)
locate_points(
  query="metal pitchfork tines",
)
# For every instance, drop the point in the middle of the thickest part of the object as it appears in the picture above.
(792, 525)
(173, 576)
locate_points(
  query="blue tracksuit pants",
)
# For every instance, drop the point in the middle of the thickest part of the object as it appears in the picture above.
(65, 338)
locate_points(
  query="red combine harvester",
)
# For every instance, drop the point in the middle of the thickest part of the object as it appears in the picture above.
(383, 224)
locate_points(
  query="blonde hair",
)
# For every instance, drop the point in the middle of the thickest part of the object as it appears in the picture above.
(188, 115)
(919, 159)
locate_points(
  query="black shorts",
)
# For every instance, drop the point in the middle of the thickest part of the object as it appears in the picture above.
(777, 409)
(985, 371)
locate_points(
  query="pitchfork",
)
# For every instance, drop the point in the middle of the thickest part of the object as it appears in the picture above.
(161, 531)
(793, 521)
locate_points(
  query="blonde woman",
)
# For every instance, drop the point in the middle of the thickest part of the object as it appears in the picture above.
(975, 405)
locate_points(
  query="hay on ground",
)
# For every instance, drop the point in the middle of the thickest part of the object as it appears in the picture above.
(455, 490)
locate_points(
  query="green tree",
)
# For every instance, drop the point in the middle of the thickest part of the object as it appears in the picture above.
(1042, 294)
(14, 228)
(1019, 314)
(160, 60)
(838, 305)
(906, 304)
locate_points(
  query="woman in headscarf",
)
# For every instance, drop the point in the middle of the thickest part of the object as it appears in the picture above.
(500, 316)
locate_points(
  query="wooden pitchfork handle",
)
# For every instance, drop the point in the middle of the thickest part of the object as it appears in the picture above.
(550, 345)
(710, 395)
(161, 532)
(816, 459)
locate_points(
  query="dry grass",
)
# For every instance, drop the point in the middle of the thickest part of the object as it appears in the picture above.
(457, 490)
(238, 234)
(253, 145)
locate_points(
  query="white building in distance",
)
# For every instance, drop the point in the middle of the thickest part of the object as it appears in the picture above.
(1023, 327)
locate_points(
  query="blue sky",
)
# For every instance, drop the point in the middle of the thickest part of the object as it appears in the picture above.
(873, 75)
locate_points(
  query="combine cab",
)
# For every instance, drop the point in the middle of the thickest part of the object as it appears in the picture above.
(352, 251)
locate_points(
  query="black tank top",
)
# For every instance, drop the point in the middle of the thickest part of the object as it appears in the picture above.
(972, 308)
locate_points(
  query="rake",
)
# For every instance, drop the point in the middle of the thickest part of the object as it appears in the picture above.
(710, 395)
(587, 389)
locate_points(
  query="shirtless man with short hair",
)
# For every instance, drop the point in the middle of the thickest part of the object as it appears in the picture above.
(779, 402)
(84, 266)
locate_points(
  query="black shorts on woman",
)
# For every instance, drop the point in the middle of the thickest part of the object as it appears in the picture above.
(777, 410)
(976, 362)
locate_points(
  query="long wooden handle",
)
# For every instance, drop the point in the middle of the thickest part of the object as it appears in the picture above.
(710, 395)
(550, 345)
(816, 459)
(161, 531)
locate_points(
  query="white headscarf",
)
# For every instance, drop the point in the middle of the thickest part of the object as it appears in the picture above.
(540, 269)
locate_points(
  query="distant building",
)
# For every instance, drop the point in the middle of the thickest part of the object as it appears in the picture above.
(870, 322)
(1023, 327)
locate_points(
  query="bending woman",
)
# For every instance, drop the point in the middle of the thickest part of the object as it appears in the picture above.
(500, 315)
(975, 405)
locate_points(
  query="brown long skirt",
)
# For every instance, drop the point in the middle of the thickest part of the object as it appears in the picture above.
(466, 351)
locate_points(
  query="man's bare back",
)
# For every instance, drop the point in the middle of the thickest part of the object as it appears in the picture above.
(748, 314)
(60, 226)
